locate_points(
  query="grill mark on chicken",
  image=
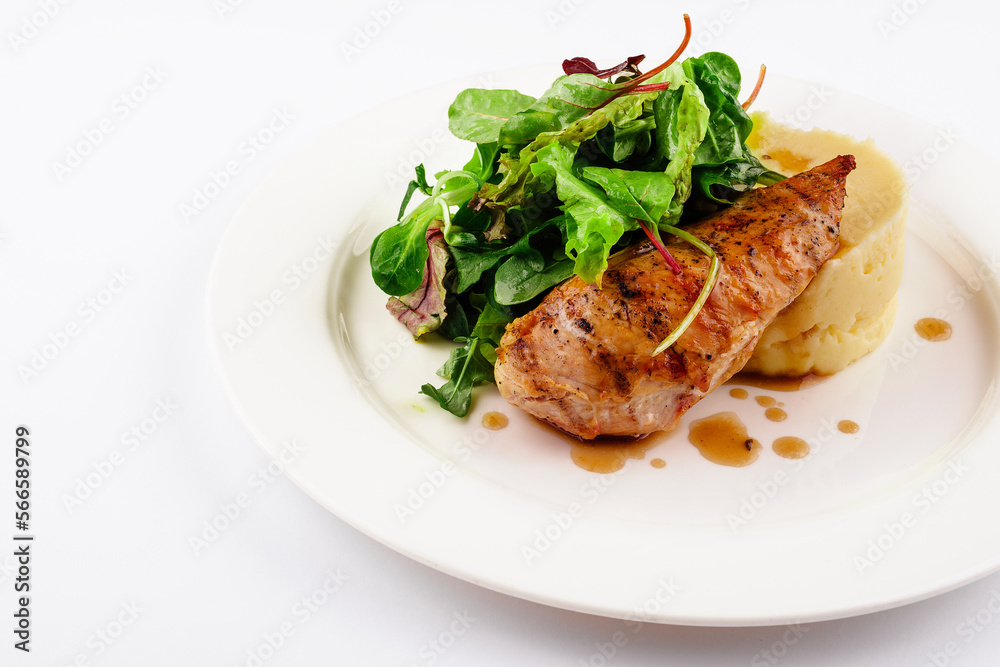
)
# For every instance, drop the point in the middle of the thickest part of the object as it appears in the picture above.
(582, 359)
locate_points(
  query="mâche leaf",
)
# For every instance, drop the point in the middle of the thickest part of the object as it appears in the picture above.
(398, 256)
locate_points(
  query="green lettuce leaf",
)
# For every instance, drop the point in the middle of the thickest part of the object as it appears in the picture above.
(593, 225)
(477, 115)
(520, 182)
(569, 99)
(681, 124)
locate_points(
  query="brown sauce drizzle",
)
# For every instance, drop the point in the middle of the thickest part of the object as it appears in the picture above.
(495, 421)
(608, 455)
(790, 447)
(847, 426)
(603, 455)
(778, 382)
(722, 438)
(933, 329)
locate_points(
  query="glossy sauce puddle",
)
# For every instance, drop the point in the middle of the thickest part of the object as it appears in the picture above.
(721, 438)
(933, 329)
(607, 455)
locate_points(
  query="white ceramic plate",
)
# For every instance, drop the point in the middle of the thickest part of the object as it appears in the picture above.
(901, 511)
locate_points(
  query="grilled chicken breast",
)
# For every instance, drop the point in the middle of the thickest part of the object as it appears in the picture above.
(582, 360)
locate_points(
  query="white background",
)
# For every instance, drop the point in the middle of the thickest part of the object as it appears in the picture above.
(223, 72)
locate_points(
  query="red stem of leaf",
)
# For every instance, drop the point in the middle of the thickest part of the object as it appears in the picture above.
(662, 248)
(756, 89)
(630, 85)
(650, 87)
(670, 61)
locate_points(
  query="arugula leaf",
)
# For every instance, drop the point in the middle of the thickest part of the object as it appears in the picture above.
(472, 263)
(466, 368)
(471, 221)
(470, 365)
(477, 115)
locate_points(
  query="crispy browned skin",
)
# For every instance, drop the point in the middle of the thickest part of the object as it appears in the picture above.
(582, 359)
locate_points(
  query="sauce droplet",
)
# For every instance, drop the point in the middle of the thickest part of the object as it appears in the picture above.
(658, 463)
(847, 426)
(778, 382)
(739, 393)
(765, 401)
(723, 439)
(790, 447)
(495, 421)
(933, 329)
(776, 414)
(604, 456)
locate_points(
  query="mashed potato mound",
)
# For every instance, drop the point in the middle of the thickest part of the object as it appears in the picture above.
(850, 306)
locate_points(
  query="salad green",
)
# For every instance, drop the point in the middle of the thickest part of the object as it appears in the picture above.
(554, 187)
